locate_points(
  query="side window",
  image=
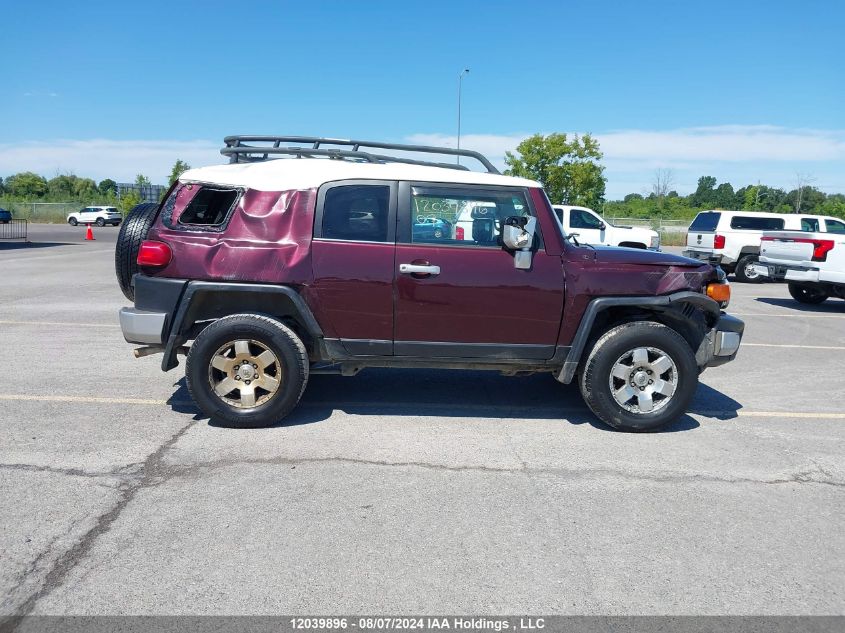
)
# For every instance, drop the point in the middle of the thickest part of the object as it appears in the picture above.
(356, 212)
(756, 223)
(810, 225)
(835, 226)
(583, 220)
(209, 207)
(463, 217)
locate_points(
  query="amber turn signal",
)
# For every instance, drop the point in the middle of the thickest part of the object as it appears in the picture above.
(720, 292)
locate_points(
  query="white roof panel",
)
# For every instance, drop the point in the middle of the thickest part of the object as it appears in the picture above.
(306, 173)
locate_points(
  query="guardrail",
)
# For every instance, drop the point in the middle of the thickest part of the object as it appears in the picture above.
(658, 224)
(13, 230)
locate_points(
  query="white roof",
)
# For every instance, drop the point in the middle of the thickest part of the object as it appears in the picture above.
(306, 173)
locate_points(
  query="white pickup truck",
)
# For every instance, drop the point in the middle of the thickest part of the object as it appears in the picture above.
(813, 264)
(590, 228)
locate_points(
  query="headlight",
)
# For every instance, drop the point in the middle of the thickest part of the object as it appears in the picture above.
(655, 241)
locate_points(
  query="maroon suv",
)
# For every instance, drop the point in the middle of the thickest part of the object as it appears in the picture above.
(317, 254)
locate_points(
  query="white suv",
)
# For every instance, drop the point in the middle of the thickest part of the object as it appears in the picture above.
(590, 228)
(95, 215)
(731, 239)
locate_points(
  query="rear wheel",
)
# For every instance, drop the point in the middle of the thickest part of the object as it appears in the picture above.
(73, 221)
(247, 370)
(133, 231)
(745, 271)
(807, 294)
(100, 222)
(639, 376)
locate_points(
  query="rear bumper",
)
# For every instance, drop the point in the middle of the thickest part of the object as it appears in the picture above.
(721, 343)
(716, 259)
(779, 272)
(156, 301)
(142, 327)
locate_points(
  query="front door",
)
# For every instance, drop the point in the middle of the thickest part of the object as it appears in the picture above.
(462, 298)
(588, 226)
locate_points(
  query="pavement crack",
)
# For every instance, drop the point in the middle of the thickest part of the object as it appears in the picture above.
(75, 472)
(151, 472)
(809, 476)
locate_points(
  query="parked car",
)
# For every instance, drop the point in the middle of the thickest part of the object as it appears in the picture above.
(731, 239)
(278, 269)
(5, 216)
(813, 264)
(589, 227)
(432, 228)
(95, 215)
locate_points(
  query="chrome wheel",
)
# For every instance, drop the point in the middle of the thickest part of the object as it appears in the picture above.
(643, 380)
(750, 271)
(245, 373)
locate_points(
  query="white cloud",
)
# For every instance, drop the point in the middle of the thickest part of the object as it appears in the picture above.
(735, 153)
(720, 143)
(103, 158)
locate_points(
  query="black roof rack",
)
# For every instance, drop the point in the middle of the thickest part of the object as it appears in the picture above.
(243, 149)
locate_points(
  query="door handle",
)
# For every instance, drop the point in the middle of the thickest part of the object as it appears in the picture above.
(418, 269)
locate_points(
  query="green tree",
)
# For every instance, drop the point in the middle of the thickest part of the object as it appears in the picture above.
(107, 185)
(568, 169)
(704, 195)
(128, 201)
(141, 179)
(179, 168)
(27, 185)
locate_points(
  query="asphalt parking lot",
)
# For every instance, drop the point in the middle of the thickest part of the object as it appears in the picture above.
(406, 491)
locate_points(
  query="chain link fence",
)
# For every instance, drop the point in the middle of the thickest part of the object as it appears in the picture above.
(52, 212)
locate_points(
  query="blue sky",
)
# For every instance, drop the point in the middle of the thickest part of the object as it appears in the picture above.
(744, 91)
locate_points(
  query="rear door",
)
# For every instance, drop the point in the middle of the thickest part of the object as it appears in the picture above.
(463, 298)
(353, 262)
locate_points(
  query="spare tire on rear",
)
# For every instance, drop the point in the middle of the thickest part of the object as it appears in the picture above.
(133, 231)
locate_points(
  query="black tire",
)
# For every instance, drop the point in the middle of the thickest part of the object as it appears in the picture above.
(133, 231)
(595, 377)
(73, 221)
(807, 294)
(275, 336)
(100, 222)
(744, 273)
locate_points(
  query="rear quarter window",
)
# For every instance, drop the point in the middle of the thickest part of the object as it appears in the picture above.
(751, 223)
(705, 222)
(209, 207)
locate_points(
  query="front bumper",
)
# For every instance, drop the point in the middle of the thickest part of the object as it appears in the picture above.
(721, 343)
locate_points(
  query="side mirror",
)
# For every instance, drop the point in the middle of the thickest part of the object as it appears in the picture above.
(518, 236)
(602, 226)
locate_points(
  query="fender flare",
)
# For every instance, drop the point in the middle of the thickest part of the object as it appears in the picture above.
(191, 304)
(582, 335)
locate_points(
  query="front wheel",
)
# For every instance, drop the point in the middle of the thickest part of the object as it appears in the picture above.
(808, 295)
(247, 370)
(745, 271)
(73, 221)
(639, 376)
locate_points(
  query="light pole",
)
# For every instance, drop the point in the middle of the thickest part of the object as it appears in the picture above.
(460, 81)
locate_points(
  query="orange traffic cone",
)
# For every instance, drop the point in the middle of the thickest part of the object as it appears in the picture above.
(89, 234)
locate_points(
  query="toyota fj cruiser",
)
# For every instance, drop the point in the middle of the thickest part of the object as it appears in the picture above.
(311, 255)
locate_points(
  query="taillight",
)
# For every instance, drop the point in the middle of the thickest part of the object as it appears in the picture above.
(459, 232)
(154, 254)
(820, 247)
(719, 241)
